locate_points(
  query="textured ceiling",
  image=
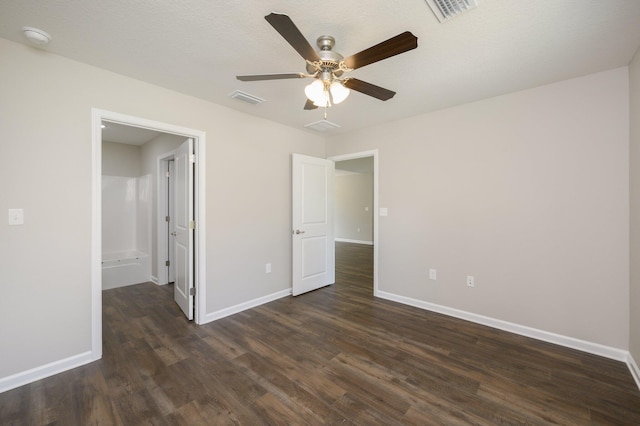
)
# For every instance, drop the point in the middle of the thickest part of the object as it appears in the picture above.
(198, 47)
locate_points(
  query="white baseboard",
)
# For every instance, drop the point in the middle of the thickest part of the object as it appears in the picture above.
(558, 339)
(245, 305)
(44, 371)
(635, 371)
(346, 240)
(48, 370)
(154, 280)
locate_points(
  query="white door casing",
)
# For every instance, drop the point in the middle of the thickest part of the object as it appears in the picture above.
(183, 225)
(376, 244)
(98, 117)
(170, 212)
(313, 247)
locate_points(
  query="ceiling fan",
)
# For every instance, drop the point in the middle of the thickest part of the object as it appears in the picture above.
(327, 67)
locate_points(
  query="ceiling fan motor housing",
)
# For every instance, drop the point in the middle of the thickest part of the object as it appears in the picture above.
(329, 60)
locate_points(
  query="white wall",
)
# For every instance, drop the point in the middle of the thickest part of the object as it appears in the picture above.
(528, 192)
(634, 171)
(46, 263)
(354, 193)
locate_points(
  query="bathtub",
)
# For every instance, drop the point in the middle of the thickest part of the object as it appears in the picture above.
(120, 269)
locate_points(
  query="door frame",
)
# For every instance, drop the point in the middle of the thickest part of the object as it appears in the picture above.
(97, 117)
(162, 250)
(376, 243)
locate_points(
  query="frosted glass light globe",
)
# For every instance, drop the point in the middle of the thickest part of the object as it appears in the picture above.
(315, 92)
(338, 92)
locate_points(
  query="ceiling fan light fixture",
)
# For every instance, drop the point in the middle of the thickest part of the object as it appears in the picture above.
(338, 92)
(315, 92)
(327, 67)
(321, 96)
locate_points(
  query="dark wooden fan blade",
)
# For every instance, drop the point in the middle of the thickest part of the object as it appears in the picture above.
(394, 46)
(258, 77)
(369, 89)
(309, 105)
(287, 29)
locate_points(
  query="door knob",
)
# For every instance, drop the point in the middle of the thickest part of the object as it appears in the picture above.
(174, 234)
(299, 232)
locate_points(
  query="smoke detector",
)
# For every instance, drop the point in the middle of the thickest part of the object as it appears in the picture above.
(447, 9)
(36, 36)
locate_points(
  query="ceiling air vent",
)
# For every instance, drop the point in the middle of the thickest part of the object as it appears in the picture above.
(245, 97)
(447, 9)
(322, 126)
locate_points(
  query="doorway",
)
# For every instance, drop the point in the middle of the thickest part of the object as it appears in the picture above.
(315, 258)
(357, 165)
(198, 225)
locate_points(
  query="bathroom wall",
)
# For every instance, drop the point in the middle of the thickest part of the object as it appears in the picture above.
(119, 214)
(120, 159)
(125, 200)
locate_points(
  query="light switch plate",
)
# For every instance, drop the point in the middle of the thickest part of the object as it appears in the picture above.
(16, 217)
(384, 211)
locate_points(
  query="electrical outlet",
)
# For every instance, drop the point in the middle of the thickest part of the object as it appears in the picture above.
(432, 274)
(267, 268)
(470, 281)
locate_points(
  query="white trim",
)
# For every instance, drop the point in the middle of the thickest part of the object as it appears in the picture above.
(96, 235)
(346, 240)
(376, 236)
(162, 251)
(97, 116)
(633, 367)
(200, 236)
(246, 305)
(558, 339)
(44, 371)
(154, 280)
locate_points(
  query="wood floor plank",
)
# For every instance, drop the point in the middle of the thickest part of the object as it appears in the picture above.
(336, 355)
(286, 390)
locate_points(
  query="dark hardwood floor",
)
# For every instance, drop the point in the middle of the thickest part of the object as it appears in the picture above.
(332, 356)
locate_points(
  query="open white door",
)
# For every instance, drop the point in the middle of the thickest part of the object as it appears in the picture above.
(183, 226)
(313, 234)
